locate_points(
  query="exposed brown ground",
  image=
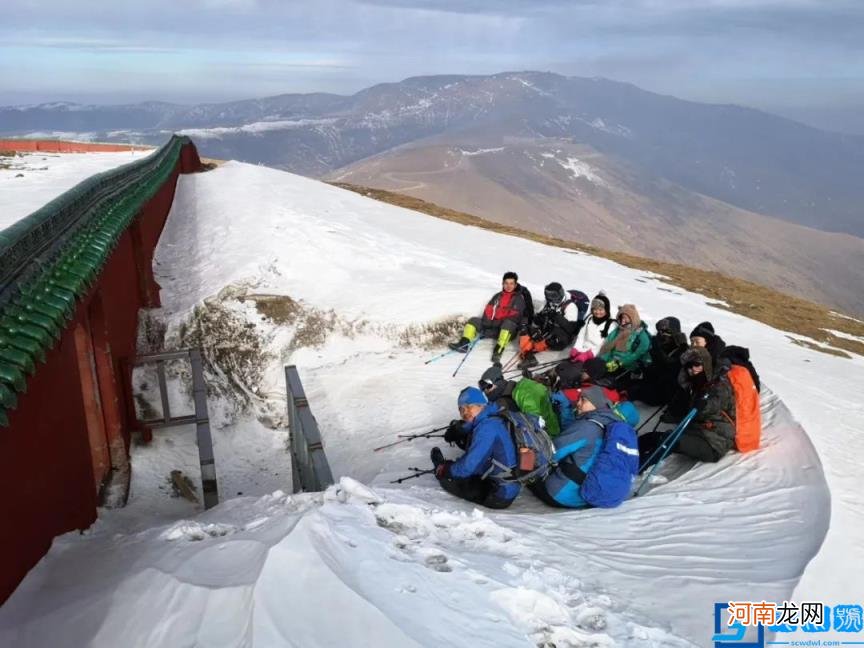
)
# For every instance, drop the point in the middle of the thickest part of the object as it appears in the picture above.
(527, 184)
(778, 310)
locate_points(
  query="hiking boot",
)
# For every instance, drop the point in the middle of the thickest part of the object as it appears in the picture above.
(528, 361)
(496, 354)
(436, 456)
(461, 346)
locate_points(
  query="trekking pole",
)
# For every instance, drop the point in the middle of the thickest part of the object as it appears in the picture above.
(665, 448)
(410, 437)
(441, 355)
(535, 368)
(467, 353)
(656, 412)
(417, 473)
(508, 366)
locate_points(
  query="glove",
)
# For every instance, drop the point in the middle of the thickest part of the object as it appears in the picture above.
(455, 432)
(442, 470)
(612, 366)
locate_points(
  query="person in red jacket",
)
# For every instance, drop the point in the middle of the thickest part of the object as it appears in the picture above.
(504, 315)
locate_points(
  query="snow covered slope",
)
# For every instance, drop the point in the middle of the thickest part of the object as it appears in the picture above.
(30, 180)
(410, 565)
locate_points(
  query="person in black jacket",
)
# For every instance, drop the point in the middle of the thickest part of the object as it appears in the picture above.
(704, 336)
(711, 434)
(659, 382)
(554, 327)
(497, 389)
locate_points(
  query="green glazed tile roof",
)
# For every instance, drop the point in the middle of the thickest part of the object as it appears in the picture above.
(51, 258)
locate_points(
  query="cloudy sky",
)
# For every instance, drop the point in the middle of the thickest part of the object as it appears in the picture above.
(803, 58)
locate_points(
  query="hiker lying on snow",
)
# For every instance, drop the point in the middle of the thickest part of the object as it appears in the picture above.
(506, 313)
(597, 458)
(472, 476)
(712, 433)
(594, 331)
(526, 395)
(554, 327)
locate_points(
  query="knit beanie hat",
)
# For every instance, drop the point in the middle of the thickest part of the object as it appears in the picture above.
(491, 377)
(703, 330)
(510, 275)
(671, 324)
(471, 396)
(601, 299)
(596, 397)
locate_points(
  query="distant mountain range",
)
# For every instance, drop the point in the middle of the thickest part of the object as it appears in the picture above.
(668, 175)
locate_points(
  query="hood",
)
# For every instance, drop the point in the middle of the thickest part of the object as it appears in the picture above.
(632, 313)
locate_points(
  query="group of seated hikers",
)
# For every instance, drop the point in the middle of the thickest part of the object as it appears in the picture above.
(568, 431)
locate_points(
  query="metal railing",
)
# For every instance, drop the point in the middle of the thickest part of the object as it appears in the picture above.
(200, 418)
(309, 468)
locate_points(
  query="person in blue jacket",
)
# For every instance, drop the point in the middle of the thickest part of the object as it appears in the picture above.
(473, 475)
(597, 458)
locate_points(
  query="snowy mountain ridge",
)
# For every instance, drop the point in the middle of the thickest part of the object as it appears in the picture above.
(409, 565)
(784, 169)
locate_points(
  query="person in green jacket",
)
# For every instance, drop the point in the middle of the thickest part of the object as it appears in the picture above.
(629, 345)
(527, 396)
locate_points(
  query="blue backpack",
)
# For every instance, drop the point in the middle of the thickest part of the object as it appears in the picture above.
(609, 480)
(627, 412)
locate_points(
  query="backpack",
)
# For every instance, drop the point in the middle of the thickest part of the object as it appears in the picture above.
(563, 409)
(609, 480)
(569, 374)
(529, 304)
(582, 303)
(627, 412)
(534, 449)
(737, 355)
(748, 413)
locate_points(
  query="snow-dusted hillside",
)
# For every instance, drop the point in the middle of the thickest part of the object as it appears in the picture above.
(30, 180)
(385, 565)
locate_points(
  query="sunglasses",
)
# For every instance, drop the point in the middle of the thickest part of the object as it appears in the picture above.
(690, 365)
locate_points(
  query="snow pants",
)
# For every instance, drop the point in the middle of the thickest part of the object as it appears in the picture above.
(691, 444)
(476, 490)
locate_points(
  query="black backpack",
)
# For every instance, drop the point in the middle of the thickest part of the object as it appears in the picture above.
(529, 304)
